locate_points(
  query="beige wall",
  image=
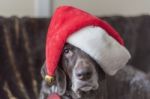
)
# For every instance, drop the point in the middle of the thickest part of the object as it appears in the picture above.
(16, 7)
(37, 8)
(110, 7)
(33, 8)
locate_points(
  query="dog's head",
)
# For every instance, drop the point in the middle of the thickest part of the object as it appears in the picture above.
(79, 69)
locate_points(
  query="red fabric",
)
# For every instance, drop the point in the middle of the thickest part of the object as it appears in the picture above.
(53, 96)
(64, 22)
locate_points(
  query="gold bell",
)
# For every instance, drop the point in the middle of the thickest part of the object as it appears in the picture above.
(49, 79)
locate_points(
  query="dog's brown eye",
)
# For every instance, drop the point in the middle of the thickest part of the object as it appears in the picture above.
(66, 50)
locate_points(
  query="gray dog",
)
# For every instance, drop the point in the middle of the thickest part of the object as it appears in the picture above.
(78, 76)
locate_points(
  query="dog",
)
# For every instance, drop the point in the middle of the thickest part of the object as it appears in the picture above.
(78, 76)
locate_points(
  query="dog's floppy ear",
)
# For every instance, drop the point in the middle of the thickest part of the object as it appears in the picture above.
(60, 83)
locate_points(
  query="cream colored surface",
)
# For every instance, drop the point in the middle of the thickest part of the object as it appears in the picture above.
(32, 8)
(110, 7)
(17, 7)
(97, 7)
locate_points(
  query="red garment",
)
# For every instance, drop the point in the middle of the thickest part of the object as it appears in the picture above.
(65, 21)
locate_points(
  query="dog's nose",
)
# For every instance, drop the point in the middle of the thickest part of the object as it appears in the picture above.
(84, 74)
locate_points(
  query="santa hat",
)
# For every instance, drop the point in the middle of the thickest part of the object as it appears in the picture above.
(87, 32)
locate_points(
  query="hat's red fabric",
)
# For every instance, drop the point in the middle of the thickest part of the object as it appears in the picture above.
(65, 21)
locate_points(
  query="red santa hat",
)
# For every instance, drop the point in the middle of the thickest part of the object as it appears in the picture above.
(87, 32)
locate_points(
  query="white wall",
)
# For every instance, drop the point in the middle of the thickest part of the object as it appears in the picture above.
(110, 7)
(42, 8)
(33, 8)
(16, 7)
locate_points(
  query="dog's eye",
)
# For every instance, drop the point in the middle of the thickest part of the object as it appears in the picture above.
(66, 50)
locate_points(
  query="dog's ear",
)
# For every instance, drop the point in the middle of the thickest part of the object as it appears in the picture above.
(60, 83)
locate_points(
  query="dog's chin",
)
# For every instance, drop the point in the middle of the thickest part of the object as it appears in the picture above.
(84, 89)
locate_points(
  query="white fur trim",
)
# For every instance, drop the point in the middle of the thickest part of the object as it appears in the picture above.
(104, 49)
